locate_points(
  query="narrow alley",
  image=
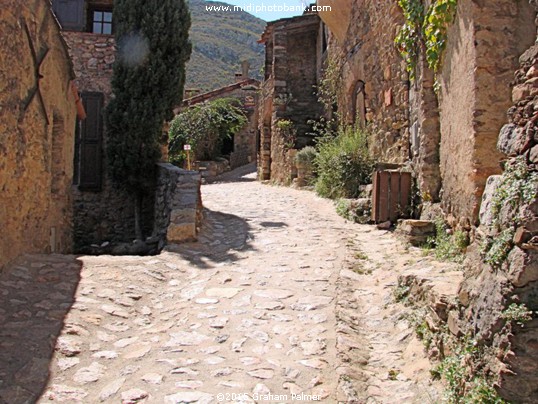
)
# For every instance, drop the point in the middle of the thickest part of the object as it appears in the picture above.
(264, 308)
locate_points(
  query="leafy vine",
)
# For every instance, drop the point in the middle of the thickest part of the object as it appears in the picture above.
(424, 27)
(409, 37)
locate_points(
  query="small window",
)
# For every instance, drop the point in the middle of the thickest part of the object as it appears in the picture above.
(70, 13)
(102, 22)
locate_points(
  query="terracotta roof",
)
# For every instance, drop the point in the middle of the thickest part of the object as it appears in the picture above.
(219, 91)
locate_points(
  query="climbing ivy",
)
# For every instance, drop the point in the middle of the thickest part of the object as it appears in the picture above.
(439, 17)
(424, 27)
(409, 37)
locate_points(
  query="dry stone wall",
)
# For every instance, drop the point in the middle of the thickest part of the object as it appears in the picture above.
(37, 121)
(490, 288)
(178, 204)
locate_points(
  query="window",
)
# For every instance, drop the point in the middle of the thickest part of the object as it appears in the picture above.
(70, 13)
(102, 22)
(89, 144)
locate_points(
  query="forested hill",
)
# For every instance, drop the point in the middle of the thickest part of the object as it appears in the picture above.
(221, 40)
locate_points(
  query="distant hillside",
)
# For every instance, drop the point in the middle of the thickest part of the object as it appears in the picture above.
(220, 42)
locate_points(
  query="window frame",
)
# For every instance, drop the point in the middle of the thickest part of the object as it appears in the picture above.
(92, 9)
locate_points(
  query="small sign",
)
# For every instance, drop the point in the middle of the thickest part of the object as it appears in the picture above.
(250, 102)
(187, 147)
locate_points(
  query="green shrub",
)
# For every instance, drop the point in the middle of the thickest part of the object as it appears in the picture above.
(343, 163)
(517, 313)
(204, 127)
(306, 156)
(465, 377)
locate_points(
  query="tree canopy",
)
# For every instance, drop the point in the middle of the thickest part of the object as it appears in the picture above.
(204, 127)
(148, 79)
(152, 38)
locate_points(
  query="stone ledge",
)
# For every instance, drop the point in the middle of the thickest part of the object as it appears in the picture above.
(436, 288)
(178, 204)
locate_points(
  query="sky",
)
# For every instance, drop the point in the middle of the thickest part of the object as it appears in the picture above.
(268, 14)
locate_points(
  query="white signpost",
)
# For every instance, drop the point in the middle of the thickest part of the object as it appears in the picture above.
(187, 148)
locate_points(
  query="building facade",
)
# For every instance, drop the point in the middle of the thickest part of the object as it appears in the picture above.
(103, 211)
(293, 51)
(38, 111)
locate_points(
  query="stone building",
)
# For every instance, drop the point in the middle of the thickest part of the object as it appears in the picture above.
(102, 211)
(38, 109)
(449, 139)
(293, 51)
(241, 149)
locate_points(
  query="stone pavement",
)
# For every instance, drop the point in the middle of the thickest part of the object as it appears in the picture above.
(250, 309)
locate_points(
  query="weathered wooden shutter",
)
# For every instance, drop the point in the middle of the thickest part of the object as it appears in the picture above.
(391, 195)
(91, 143)
(70, 13)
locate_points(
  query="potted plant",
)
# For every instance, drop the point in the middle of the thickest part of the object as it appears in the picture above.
(282, 100)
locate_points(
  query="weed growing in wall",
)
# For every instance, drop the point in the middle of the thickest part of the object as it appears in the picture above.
(518, 187)
(496, 249)
(465, 376)
(448, 247)
(518, 314)
(287, 131)
(329, 85)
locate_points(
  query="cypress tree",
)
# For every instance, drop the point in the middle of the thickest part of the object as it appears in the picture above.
(152, 38)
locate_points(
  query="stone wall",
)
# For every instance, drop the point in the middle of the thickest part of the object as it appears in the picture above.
(106, 214)
(374, 84)
(483, 46)
(425, 132)
(288, 93)
(93, 56)
(265, 108)
(490, 288)
(37, 121)
(178, 204)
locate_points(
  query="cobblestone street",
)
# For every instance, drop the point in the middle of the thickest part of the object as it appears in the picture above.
(249, 309)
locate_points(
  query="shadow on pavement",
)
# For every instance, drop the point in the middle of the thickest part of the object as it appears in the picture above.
(221, 237)
(273, 224)
(36, 293)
